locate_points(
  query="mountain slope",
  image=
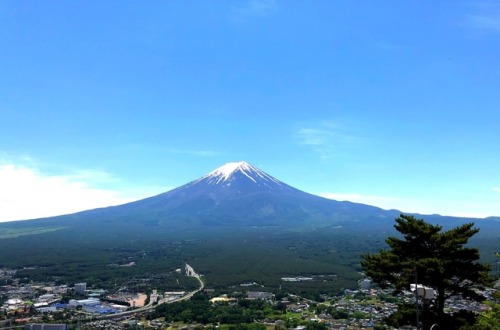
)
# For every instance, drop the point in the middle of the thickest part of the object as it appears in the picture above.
(234, 195)
(239, 194)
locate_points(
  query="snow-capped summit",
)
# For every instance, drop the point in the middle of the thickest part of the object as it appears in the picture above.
(237, 192)
(224, 172)
(236, 170)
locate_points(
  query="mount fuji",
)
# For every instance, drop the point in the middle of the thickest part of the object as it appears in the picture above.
(236, 194)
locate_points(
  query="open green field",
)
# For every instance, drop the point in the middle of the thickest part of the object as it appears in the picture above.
(16, 232)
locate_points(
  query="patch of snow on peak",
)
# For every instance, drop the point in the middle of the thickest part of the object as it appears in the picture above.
(224, 172)
(227, 169)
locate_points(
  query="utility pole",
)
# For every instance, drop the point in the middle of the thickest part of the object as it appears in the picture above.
(416, 298)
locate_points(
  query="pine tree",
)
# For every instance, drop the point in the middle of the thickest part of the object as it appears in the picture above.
(439, 259)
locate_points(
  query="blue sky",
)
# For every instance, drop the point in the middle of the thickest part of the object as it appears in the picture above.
(390, 103)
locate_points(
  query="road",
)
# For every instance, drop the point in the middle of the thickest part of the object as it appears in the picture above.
(189, 272)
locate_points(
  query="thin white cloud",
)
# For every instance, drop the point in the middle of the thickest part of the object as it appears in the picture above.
(497, 189)
(200, 153)
(484, 22)
(327, 139)
(261, 7)
(484, 16)
(183, 151)
(27, 193)
(253, 8)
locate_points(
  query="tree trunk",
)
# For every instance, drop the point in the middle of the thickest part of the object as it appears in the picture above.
(440, 304)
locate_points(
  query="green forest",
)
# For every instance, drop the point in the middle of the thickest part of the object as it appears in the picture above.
(225, 257)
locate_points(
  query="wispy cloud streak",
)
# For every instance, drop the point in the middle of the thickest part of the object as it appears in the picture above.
(484, 16)
(484, 22)
(253, 8)
(326, 139)
(183, 151)
(200, 153)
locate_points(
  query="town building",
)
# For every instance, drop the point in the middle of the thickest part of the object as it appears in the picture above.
(80, 288)
(46, 327)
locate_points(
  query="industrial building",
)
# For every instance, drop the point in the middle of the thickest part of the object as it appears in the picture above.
(46, 327)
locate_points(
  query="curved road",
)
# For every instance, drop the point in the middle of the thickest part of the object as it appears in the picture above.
(189, 271)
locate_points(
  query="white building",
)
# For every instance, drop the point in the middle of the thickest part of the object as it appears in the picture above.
(14, 301)
(80, 288)
(366, 284)
(85, 302)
